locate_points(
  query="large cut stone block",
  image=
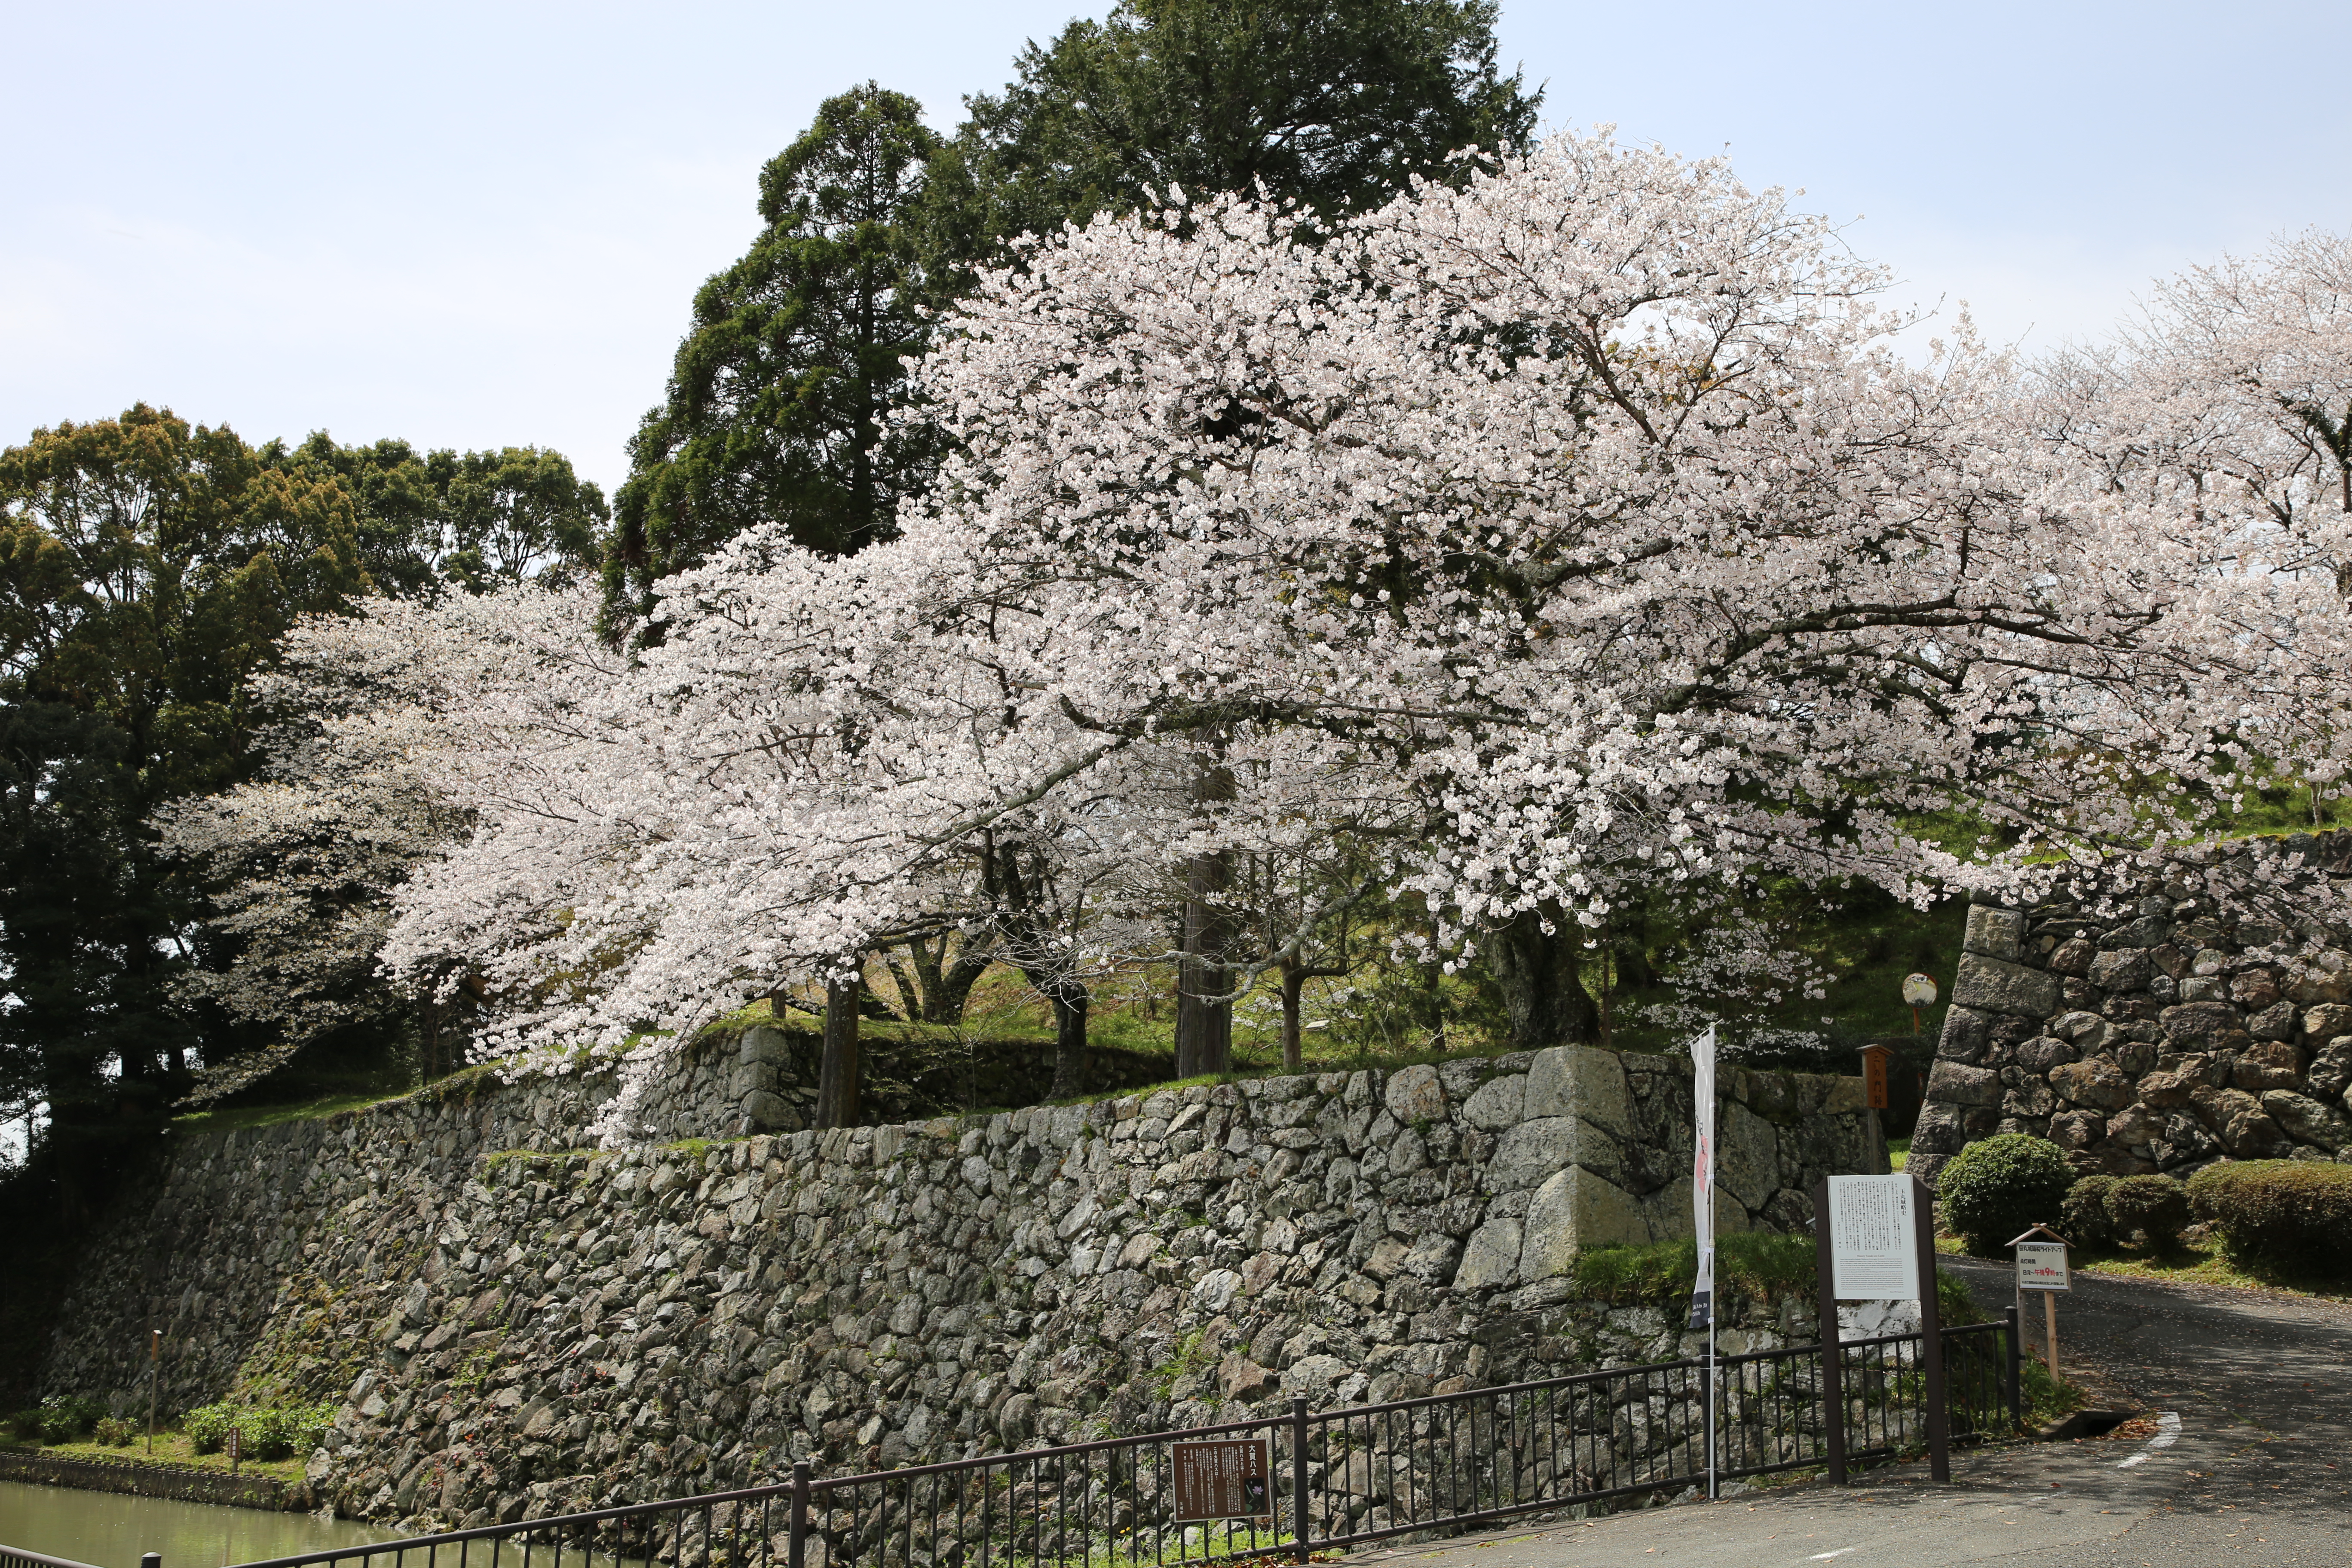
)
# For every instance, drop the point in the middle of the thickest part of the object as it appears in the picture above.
(1492, 1258)
(1955, 1083)
(1995, 933)
(1534, 1151)
(1991, 985)
(1578, 1080)
(1574, 1210)
(1749, 1164)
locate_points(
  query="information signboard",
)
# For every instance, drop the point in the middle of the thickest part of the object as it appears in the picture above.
(2042, 1266)
(1225, 1478)
(1873, 1249)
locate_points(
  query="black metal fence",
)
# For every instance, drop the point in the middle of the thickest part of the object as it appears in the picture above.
(17, 1557)
(1339, 1477)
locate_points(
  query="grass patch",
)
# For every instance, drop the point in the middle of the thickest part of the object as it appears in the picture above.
(174, 1449)
(1751, 1263)
(246, 1116)
(1899, 1152)
(2203, 1263)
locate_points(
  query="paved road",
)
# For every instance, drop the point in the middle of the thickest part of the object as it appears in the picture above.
(2258, 1475)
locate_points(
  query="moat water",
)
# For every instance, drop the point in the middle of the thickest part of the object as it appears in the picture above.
(113, 1532)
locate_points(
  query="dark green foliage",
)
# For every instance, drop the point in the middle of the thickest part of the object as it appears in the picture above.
(1998, 1188)
(65, 1419)
(115, 1432)
(777, 401)
(2153, 1208)
(148, 568)
(2291, 1216)
(1761, 1264)
(427, 521)
(2083, 1220)
(1334, 107)
(267, 1431)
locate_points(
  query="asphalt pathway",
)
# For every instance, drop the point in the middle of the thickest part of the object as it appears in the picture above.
(2243, 1458)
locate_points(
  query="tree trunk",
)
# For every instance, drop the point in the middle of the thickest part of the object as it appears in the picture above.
(953, 991)
(836, 1083)
(1069, 1041)
(1294, 1051)
(1204, 1029)
(1537, 974)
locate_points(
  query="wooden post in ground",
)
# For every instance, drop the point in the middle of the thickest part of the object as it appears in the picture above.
(1833, 1354)
(154, 1376)
(1931, 1334)
(2050, 1313)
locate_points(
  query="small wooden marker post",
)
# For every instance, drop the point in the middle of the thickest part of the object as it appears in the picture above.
(1876, 1062)
(2042, 1266)
(154, 1383)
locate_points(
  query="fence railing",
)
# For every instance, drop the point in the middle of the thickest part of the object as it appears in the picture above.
(17, 1557)
(1338, 1478)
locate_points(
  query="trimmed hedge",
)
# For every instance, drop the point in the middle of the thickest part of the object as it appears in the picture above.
(2001, 1187)
(2155, 1208)
(2290, 1215)
(2083, 1218)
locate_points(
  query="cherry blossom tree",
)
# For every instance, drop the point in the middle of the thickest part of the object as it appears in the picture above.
(1571, 529)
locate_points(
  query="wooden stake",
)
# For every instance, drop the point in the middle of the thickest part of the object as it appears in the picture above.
(154, 1381)
(2050, 1311)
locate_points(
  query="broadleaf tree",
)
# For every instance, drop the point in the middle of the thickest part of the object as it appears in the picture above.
(148, 568)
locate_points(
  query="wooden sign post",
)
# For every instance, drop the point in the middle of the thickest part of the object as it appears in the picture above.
(1874, 1241)
(2042, 1266)
(1877, 1061)
(236, 1449)
(154, 1381)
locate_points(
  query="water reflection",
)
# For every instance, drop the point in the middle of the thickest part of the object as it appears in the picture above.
(111, 1531)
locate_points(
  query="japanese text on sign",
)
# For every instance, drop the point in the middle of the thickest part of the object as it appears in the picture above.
(1225, 1478)
(2042, 1266)
(1873, 1251)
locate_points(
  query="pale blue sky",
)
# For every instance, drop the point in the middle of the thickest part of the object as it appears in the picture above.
(481, 224)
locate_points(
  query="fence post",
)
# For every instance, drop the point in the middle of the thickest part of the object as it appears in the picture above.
(1931, 1334)
(1832, 1353)
(2013, 1384)
(1298, 1476)
(152, 1560)
(797, 1551)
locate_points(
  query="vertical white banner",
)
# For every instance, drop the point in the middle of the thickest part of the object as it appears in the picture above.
(1702, 1312)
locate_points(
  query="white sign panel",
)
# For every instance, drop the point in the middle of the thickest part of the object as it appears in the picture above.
(2042, 1266)
(1873, 1248)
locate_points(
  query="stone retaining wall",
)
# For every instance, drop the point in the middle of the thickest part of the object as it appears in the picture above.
(528, 1333)
(138, 1478)
(2159, 1037)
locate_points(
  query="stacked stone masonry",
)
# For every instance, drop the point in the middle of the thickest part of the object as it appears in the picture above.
(2161, 1035)
(510, 1332)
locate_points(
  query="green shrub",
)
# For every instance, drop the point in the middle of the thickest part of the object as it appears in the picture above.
(265, 1431)
(25, 1426)
(1999, 1187)
(2155, 1208)
(115, 1432)
(2083, 1218)
(65, 1418)
(2290, 1215)
(207, 1427)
